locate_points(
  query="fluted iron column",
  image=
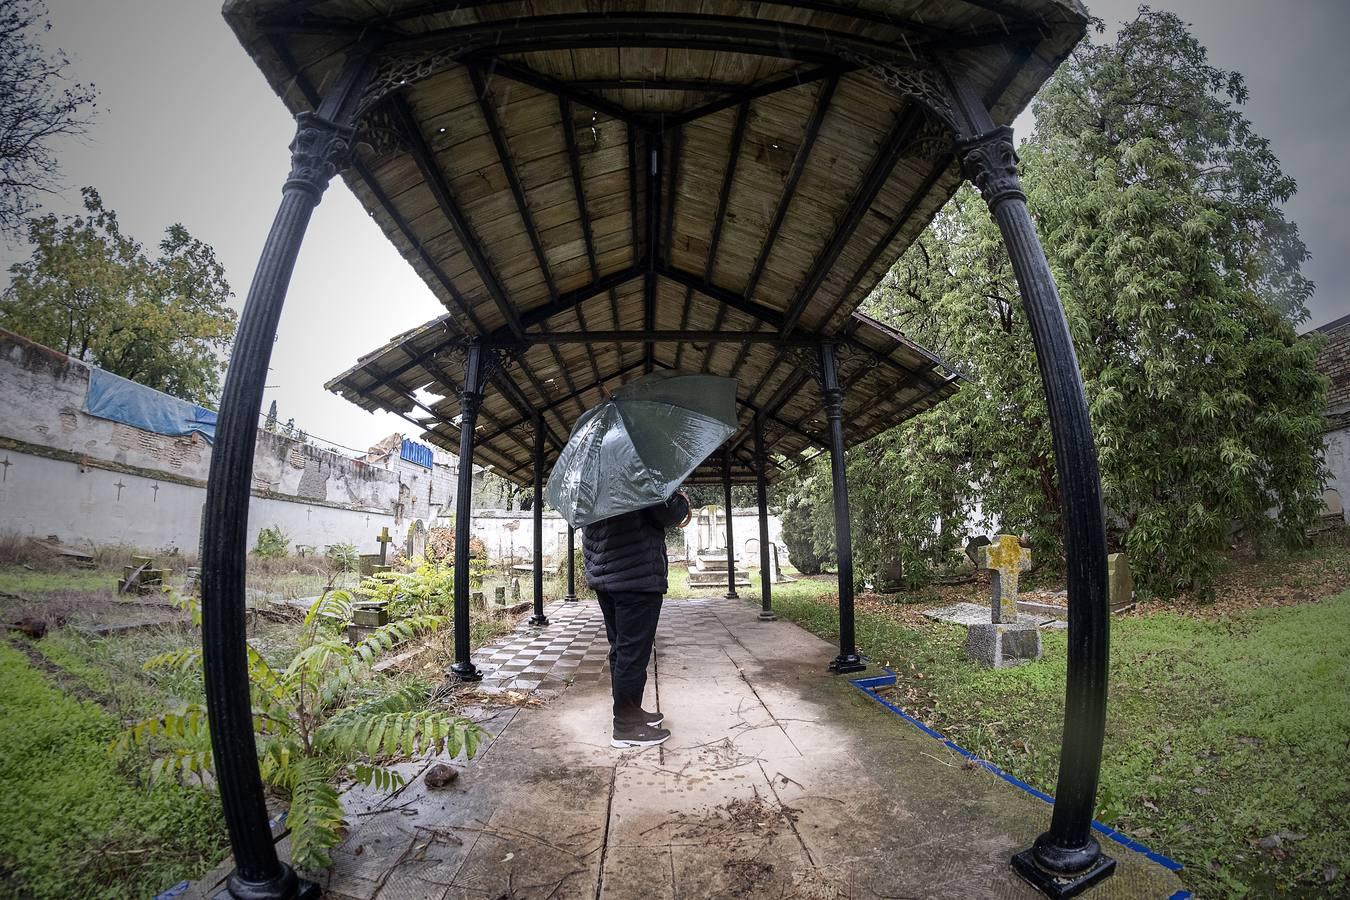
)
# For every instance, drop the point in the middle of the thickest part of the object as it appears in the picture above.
(762, 498)
(571, 565)
(470, 399)
(321, 144)
(848, 659)
(731, 540)
(539, 619)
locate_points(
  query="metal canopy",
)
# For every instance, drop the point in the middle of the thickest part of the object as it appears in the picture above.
(655, 180)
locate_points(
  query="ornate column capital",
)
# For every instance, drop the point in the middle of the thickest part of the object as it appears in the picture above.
(318, 150)
(989, 160)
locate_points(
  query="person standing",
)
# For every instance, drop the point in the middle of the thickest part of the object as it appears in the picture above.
(626, 566)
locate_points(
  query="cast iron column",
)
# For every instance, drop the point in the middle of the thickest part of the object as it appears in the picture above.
(470, 398)
(571, 573)
(1067, 858)
(539, 618)
(848, 659)
(731, 540)
(320, 144)
(762, 496)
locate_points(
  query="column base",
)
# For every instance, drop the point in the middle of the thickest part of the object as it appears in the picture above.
(539, 621)
(845, 663)
(766, 615)
(466, 671)
(286, 886)
(1059, 873)
(732, 595)
(570, 598)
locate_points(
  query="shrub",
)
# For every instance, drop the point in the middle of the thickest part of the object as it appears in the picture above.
(272, 543)
(319, 716)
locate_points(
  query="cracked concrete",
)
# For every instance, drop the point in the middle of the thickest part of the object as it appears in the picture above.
(780, 781)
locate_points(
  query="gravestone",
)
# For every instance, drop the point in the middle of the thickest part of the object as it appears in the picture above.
(499, 595)
(891, 579)
(385, 540)
(1119, 582)
(1006, 559)
(417, 539)
(515, 588)
(367, 618)
(974, 547)
(1004, 641)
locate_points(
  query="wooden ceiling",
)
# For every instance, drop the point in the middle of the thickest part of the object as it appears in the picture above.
(696, 168)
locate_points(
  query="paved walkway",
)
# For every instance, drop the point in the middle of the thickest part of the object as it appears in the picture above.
(780, 781)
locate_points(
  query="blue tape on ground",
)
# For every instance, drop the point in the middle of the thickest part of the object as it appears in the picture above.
(869, 685)
(177, 890)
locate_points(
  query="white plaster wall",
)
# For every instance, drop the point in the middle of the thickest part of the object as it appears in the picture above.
(494, 528)
(745, 532)
(85, 508)
(1337, 459)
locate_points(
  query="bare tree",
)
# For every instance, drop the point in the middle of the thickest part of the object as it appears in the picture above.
(38, 102)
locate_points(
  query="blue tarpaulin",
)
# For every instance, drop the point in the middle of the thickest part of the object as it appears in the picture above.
(418, 454)
(122, 400)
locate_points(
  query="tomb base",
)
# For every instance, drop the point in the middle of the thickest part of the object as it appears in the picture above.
(1003, 645)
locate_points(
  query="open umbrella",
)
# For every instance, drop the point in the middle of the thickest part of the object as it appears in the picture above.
(636, 448)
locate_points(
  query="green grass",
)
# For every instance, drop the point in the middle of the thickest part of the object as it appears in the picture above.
(1220, 733)
(77, 823)
(27, 582)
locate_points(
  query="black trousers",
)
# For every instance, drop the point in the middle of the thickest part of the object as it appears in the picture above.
(630, 625)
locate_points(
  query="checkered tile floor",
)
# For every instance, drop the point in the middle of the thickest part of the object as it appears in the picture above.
(572, 647)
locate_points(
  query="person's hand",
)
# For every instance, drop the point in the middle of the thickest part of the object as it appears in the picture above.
(688, 509)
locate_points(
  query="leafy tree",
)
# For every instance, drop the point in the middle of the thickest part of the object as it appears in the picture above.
(319, 716)
(1160, 212)
(92, 292)
(34, 109)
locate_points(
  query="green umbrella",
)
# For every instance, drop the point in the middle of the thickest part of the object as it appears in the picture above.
(636, 448)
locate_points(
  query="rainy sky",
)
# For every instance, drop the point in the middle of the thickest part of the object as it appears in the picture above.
(188, 131)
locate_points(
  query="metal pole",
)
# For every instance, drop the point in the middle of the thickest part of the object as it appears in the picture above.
(762, 496)
(848, 659)
(1068, 850)
(321, 143)
(539, 619)
(731, 540)
(571, 573)
(470, 398)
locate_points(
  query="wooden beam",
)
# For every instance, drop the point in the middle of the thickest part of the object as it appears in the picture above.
(765, 88)
(579, 194)
(719, 219)
(527, 76)
(489, 114)
(440, 189)
(653, 175)
(906, 126)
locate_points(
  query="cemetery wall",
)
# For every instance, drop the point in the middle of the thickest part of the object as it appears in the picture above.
(704, 532)
(1334, 362)
(511, 533)
(92, 481)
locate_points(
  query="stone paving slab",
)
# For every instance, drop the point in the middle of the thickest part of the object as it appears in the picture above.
(780, 781)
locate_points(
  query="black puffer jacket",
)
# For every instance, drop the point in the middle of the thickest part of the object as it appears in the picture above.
(628, 552)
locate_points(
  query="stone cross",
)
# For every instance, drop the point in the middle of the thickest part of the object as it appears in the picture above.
(385, 540)
(1006, 558)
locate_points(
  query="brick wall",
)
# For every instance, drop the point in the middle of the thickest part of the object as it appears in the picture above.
(1334, 362)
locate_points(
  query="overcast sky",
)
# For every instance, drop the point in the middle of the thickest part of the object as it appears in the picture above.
(188, 131)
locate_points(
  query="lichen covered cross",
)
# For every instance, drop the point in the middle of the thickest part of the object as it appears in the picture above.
(385, 540)
(1006, 558)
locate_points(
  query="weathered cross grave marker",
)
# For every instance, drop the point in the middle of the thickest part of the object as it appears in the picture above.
(1006, 559)
(385, 540)
(1119, 582)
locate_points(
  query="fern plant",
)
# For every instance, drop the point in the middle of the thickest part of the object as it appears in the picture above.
(317, 718)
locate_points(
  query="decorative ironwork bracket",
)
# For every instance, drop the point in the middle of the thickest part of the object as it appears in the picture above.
(920, 80)
(989, 160)
(395, 71)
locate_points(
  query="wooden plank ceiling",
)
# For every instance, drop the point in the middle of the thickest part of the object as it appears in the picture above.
(656, 167)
